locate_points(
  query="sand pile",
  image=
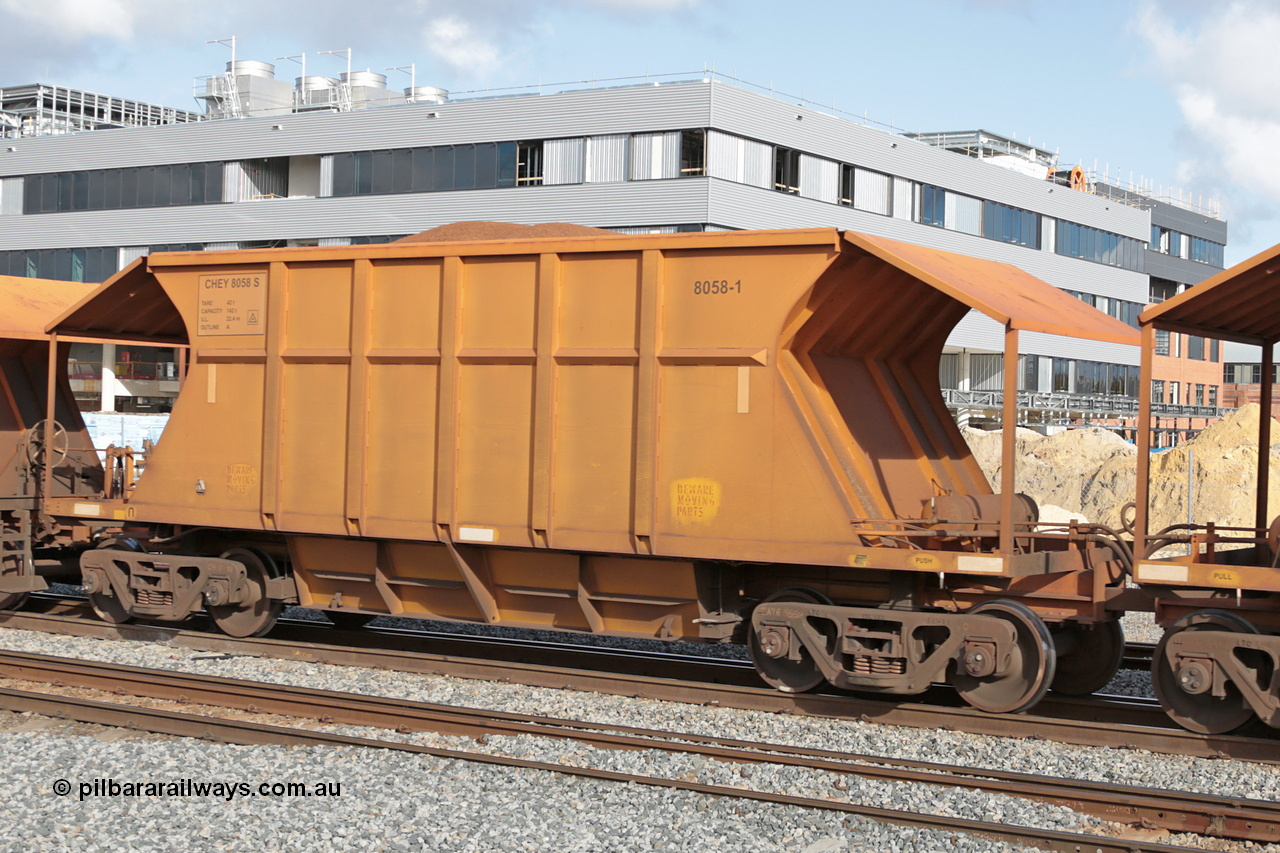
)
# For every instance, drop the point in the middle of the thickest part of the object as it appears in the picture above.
(1093, 471)
(1079, 470)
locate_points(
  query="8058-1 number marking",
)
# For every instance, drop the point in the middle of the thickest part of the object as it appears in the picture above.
(717, 286)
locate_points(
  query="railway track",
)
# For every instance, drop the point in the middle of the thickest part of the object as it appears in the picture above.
(1118, 722)
(1175, 811)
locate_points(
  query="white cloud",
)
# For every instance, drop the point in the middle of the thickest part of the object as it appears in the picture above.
(626, 6)
(1220, 64)
(73, 19)
(1243, 142)
(471, 40)
(458, 44)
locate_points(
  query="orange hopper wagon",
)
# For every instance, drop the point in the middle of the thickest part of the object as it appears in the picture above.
(697, 436)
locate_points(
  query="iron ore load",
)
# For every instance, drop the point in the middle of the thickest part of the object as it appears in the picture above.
(735, 436)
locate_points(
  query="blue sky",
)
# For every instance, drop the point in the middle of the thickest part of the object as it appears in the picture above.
(1177, 93)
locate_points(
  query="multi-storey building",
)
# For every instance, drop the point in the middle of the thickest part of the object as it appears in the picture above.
(1186, 247)
(304, 165)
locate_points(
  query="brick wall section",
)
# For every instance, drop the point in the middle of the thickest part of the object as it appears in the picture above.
(1240, 395)
(1188, 372)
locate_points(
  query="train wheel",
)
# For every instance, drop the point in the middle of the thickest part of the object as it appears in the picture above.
(1092, 658)
(1029, 671)
(1184, 692)
(256, 615)
(15, 565)
(347, 620)
(789, 676)
(108, 607)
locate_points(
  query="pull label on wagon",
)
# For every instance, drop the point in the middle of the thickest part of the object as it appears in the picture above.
(233, 303)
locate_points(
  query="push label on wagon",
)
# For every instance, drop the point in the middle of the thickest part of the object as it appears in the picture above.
(233, 303)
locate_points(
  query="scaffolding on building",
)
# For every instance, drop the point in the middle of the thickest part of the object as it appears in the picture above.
(39, 109)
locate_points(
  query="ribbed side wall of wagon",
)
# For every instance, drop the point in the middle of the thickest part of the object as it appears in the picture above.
(632, 435)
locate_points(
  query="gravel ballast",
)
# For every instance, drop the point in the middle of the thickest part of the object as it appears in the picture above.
(563, 813)
(387, 801)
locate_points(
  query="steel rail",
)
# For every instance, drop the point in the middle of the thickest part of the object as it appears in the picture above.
(1176, 811)
(1136, 655)
(1116, 722)
(231, 731)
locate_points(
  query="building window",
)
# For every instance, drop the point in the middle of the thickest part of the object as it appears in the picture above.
(1163, 288)
(1124, 380)
(1175, 389)
(1011, 224)
(870, 191)
(1199, 395)
(1206, 251)
(1214, 353)
(1248, 374)
(933, 206)
(786, 170)
(166, 185)
(1162, 341)
(1213, 395)
(1090, 377)
(693, 153)
(528, 163)
(1242, 374)
(1195, 347)
(95, 263)
(949, 370)
(1157, 390)
(1062, 374)
(1168, 242)
(846, 184)
(418, 170)
(1102, 247)
(1030, 373)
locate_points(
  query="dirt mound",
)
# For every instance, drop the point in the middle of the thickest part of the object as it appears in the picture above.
(1052, 515)
(1093, 472)
(1238, 429)
(1224, 463)
(465, 231)
(1070, 469)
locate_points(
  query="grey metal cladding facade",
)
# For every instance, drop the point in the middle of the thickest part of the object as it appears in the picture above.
(605, 204)
(750, 207)
(570, 114)
(1160, 265)
(1189, 222)
(760, 117)
(977, 331)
